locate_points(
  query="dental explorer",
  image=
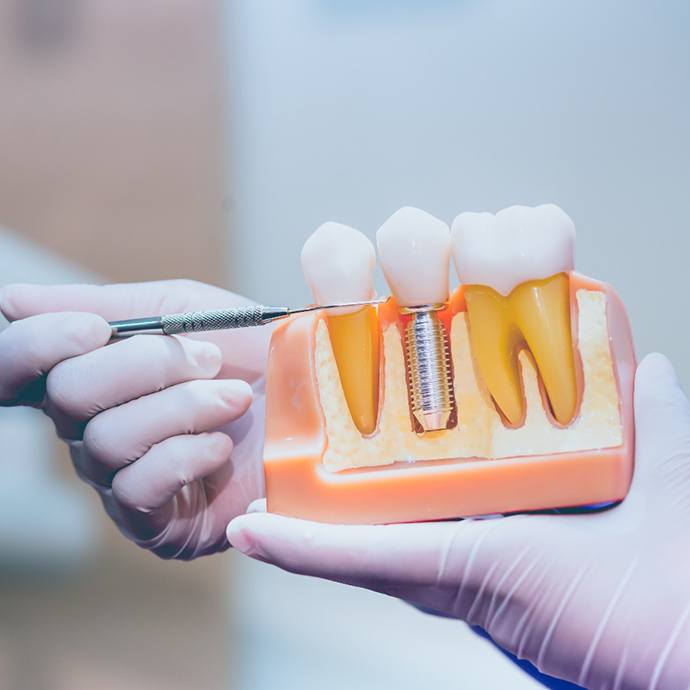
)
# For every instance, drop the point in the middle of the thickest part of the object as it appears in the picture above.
(217, 319)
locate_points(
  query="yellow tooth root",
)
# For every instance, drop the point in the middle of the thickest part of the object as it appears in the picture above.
(494, 340)
(542, 312)
(537, 314)
(355, 342)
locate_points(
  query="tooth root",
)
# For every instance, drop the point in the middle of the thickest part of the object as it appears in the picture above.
(355, 342)
(542, 313)
(494, 340)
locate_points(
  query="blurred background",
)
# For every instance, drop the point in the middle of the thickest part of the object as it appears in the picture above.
(207, 140)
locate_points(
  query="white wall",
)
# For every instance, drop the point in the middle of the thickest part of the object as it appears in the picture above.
(348, 110)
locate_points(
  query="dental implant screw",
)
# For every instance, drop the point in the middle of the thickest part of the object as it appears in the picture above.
(429, 375)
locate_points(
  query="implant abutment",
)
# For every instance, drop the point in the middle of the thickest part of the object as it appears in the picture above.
(428, 367)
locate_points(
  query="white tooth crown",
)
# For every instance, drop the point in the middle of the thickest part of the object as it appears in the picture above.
(414, 249)
(517, 244)
(338, 263)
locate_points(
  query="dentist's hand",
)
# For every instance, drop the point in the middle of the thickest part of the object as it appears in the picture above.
(600, 599)
(169, 431)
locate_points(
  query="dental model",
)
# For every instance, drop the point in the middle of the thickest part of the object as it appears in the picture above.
(514, 393)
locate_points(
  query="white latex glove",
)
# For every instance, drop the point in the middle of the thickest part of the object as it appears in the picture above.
(168, 430)
(600, 599)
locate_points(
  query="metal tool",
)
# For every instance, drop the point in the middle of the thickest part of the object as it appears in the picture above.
(429, 379)
(217, 319)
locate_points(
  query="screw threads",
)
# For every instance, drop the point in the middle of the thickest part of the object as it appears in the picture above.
(430, 384)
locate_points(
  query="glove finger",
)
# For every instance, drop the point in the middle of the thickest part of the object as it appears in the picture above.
(120, 301)
(469, 569)
(31, 347)
(375, 556)
(151, 482)
(79, 388)
(120, 436)
(662, 424)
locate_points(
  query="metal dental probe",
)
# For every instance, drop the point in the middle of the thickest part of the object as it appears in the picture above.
(217, 319)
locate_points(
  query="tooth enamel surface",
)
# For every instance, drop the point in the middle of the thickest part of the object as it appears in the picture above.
(517, 244)
(414, 250)
(514, 266)
(338, 263)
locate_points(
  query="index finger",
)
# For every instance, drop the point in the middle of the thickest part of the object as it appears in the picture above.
(31, 347)
(117, 301)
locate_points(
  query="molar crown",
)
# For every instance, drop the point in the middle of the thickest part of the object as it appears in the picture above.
(518, 244)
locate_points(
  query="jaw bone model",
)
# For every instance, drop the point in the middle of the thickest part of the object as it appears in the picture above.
(514, 393)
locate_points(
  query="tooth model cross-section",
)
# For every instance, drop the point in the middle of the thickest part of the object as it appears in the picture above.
(514, 393)
(415, 250)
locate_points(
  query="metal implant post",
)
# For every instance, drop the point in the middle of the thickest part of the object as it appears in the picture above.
(429, 377)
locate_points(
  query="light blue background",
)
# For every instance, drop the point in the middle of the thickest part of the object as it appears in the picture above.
(348, 110)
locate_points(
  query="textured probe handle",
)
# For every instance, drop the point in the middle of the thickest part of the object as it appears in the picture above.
(197, 321)
(213, 320)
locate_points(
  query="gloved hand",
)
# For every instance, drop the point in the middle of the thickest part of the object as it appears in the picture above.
(600, 599)
(168, 430)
